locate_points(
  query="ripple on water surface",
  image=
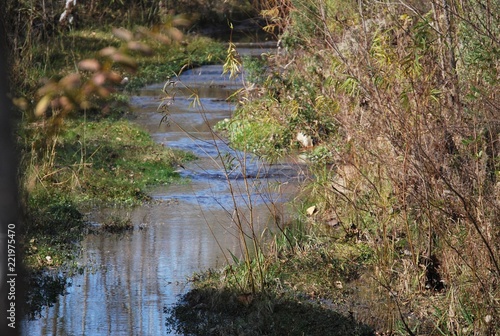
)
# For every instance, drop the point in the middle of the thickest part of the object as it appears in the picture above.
(139, 273)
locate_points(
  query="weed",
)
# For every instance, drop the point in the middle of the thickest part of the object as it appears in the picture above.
(405, 154)
(116, 224)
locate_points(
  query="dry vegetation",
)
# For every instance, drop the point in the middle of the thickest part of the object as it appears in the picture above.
(401, 101)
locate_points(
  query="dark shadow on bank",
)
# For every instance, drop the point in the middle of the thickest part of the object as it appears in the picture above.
(210, 311)
(249, 30)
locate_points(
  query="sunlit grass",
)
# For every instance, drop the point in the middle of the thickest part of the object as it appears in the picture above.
(108, 161)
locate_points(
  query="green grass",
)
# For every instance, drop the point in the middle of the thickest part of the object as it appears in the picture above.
(169, 60)
(56, 226)
(107, 161)
(89, 158)
(124, 159)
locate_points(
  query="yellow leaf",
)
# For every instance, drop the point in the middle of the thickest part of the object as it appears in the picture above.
(42, 105)
(21, 103)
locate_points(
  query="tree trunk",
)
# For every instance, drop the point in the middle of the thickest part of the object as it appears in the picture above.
(11, 299)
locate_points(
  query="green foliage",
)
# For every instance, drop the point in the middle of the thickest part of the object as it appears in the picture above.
(292, 102)
(305, 19)
(254, 136)
(400, 102)
(255, 69)
(109, 161)
(321, 156)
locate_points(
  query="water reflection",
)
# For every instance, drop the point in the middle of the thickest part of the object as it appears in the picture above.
(138, 274)
(187, 228)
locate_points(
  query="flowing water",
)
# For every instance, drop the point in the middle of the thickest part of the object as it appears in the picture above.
(186, 229)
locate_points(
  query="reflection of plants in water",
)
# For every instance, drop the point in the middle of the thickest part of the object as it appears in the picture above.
(116, 224)
(246, 188)
(43, 291)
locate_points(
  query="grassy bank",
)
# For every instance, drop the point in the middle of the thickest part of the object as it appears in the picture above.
(394, 107)
(75, 160)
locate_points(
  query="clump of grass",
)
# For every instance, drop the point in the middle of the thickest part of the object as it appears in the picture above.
(117, 224)
(106, 161)
(56, 227)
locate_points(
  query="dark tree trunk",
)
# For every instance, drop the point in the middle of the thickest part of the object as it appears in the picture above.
(10, 282)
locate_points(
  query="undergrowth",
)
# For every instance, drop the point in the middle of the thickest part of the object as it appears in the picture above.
(394, 108)
(79, 147)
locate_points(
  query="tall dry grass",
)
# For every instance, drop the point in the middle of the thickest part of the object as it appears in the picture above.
(413, 92)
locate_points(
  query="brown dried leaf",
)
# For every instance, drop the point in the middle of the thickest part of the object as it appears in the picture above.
(85, 104)
(89, 65)
(20, 103)
(50, 87)
(114, 77)
(71, 81)
(99, 79)
(66, 103)
(102, 91)
(123, 34)
(108, 51)
(140, 47)
(162, 38)
(175, 33)
(125, 60)
(311, 210)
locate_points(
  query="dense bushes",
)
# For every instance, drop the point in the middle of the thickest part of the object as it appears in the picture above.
(404, 98)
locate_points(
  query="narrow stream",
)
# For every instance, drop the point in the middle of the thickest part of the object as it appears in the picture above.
(186, 229)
